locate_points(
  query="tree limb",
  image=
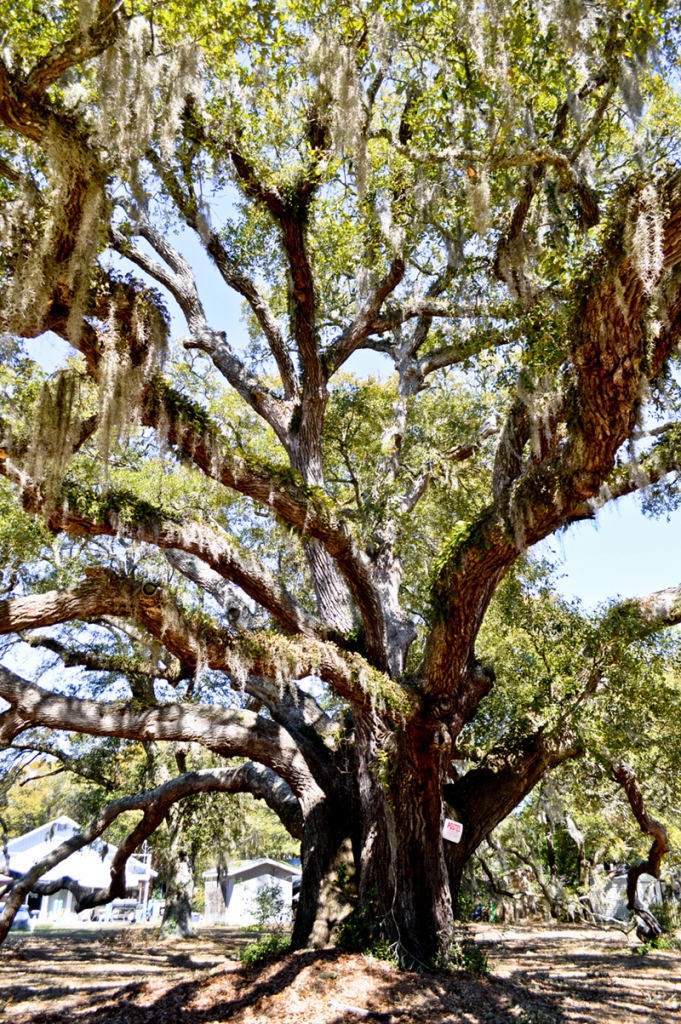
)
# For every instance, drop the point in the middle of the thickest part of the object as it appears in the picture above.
(188, 205)
(97, 661)
(608, 367)
(73, 764)
(305, 508)
(625, 777)
(365, 322)
(84, 45)
(215, 549)
(176, 275)
(230, 733)
(195, 642)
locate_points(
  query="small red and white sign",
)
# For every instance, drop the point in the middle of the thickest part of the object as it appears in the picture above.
(452, 830)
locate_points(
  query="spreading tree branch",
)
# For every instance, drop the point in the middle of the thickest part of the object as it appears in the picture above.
(189, 206)
(230, 733)
(197, 641)
(76, 765)
(609, 363)
(97, 661)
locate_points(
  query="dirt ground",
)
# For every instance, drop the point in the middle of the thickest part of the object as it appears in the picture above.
(539, 975)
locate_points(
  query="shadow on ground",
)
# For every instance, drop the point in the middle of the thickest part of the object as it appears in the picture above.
(539, 976)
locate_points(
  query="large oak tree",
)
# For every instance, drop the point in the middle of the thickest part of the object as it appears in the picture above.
(489, 196)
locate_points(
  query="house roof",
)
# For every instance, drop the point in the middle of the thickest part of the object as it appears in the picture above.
(90, 866)
(261, 866)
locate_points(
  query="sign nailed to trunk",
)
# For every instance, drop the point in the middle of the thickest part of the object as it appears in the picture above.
(452, 830)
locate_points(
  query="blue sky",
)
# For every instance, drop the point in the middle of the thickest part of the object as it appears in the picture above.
(623, 553)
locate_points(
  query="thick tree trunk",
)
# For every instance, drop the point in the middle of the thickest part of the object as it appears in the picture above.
(423, 905)
(323, 903)
(177, 917)
(404, 889)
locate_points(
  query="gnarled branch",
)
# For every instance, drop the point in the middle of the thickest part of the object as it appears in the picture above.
(625, 777)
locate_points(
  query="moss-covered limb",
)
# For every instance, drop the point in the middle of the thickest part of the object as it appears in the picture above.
(306, 507)
(195, 639)
(271, 655)
(98, 661)
(190, 428)
(24, 107)
(118, 512)
(82, 46)
(651, 468)
(100, 592)
(611, 357)
(53, 252)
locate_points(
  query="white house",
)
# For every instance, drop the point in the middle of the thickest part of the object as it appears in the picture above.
(231, 892)
(90, 867)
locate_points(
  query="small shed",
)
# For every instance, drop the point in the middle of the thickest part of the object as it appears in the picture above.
(614, 896)
(89, 866)
(231, 892)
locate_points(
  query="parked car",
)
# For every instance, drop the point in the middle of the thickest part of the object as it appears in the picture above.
(118, 910)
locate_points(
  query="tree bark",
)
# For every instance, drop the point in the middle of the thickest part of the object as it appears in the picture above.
(423, 904)
(648, 927)
(179, 866)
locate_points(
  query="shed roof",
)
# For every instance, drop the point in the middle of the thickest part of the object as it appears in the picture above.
(260, 866)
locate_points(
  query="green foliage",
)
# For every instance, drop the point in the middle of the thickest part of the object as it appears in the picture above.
(262, 834)
(255, 953)
(668, 915)
(269, 905)
(662, 942)
(465, 954)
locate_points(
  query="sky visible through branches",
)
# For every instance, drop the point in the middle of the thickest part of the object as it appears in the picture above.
(623, 553)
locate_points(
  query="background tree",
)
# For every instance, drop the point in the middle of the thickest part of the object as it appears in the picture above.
(487, 195)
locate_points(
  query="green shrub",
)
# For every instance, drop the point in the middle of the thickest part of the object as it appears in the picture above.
(464, 954)
(661, 942)
(269, 905)
(256, 952)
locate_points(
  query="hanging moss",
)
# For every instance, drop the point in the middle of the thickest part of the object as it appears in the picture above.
(55, 431)
(134, 346)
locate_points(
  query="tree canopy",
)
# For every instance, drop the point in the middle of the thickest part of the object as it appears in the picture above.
(488, 196)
